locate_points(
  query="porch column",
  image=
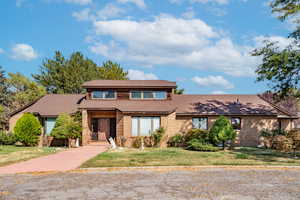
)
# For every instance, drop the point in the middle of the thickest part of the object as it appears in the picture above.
(85, 128)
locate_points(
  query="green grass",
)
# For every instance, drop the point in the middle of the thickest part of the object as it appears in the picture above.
(181, 157)
(11, 154)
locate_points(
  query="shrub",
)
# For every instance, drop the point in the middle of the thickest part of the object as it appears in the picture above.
(197, 145)
(221, 131)
(199, 134)
(27, 130)
(271, 133)
(7, 138)
(176, 140)
(157, 135)
(66, 128)
(282, 143)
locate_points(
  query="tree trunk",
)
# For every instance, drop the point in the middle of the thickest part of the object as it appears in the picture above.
(223, 145)
(69, 142)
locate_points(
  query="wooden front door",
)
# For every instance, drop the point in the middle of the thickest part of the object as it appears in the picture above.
(103, 129)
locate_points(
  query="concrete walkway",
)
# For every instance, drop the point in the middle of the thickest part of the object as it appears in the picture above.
(61, 161)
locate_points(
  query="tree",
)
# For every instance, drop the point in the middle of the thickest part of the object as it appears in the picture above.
(28, 129)
(280, 67)
(221, 131)
(23, 90)
(178, 91)
(4, 100)
(66, 127)
(112, 71)
(60, 75)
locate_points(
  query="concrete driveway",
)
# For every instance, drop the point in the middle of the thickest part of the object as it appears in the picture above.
(206, 183)
(61, 161)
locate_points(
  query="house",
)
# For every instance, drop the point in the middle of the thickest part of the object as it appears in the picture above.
(125, 109)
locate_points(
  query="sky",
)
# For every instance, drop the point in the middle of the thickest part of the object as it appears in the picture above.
(203, 45)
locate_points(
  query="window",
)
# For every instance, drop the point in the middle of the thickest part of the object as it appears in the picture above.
(200, 123)
(108, 94)
(144, 126)
(148, 95)
(49, 125)
(136, 95)
(160, 95)
(236, 123)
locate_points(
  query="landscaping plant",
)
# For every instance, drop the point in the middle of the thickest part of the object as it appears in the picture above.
(222, 131)
(197, 145)
(176, 140)
(7, 138)
(156, 136)
(66, 128)
(28, 129)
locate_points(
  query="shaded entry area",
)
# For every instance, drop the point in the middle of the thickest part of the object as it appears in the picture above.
(103, 129)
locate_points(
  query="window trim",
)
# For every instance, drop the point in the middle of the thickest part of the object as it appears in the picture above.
(115, 94)
(231, 120)
(139, 124)
(142, 95)
(199, 118)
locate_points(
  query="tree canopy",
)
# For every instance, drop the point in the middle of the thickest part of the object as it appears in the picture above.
(66, 75)
(280, 67)
(23, 90)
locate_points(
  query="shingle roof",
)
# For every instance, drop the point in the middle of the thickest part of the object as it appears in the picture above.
(54, 104)
(129, 84)
(223, 105)
(152, 106)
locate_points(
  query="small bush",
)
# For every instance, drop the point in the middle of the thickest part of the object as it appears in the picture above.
(176, 140)
(28, 129)
(7, 138)
(271, 133)
(222, 131)
(282, 143)
(157, 135)
(199, 134)
(197, 145)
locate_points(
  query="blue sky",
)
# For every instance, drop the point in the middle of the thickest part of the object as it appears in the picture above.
(204, 45)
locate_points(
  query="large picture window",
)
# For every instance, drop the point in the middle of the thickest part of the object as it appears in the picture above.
(200, 123)
(148, 94)
(105, 94)
(144, 126)
(236, 123)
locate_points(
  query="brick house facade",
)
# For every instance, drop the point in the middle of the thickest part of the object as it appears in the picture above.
(130, 108)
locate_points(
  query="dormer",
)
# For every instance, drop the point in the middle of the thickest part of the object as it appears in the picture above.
(129, 89)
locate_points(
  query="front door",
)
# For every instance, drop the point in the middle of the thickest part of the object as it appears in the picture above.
(103, 129)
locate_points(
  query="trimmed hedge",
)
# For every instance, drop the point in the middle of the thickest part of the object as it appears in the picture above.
(28, 129)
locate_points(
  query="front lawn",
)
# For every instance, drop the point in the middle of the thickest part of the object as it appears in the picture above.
(181, 157)
(11, 154)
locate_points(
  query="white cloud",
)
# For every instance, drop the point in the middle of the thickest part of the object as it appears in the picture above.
(109, 11)
(139, 3)
(170, 41)
(218, 92)
(140, 75)
(189, 13)
(213, 81)
(281, 42)
(80, 2)
(210, 1)
(1, 51)
(83, 15)
(23, 52)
